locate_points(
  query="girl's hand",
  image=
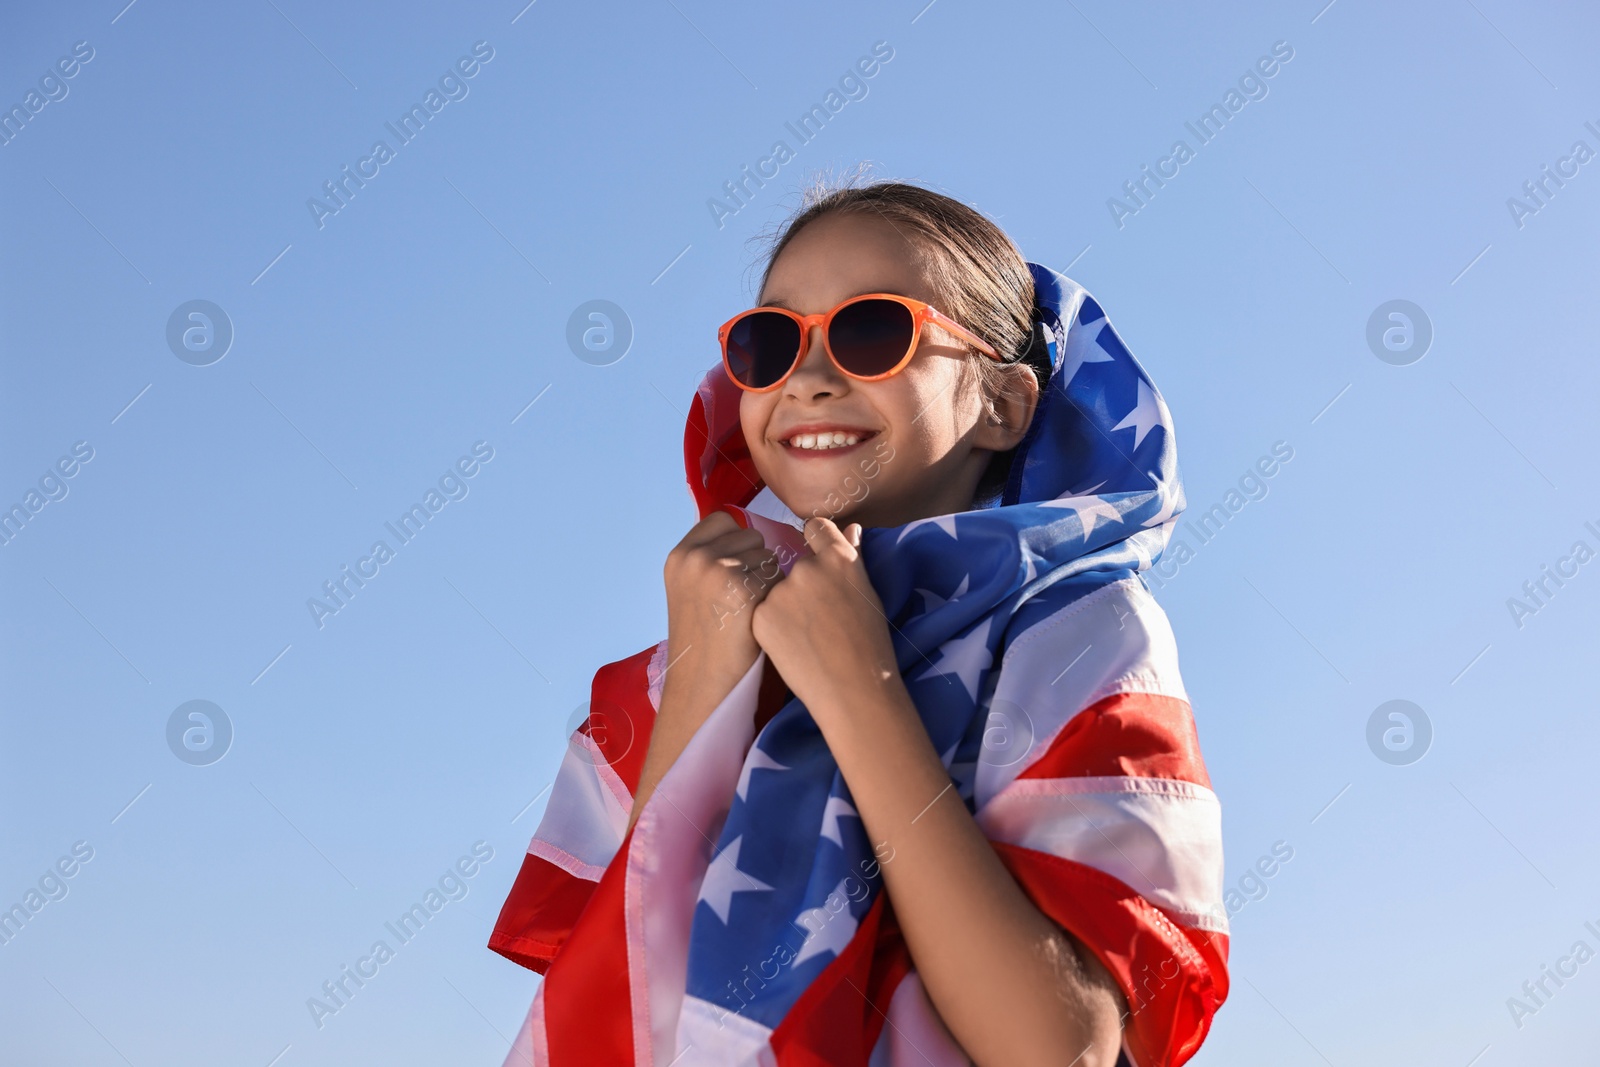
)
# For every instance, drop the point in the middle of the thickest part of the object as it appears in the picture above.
(715, 577)
(824, 627)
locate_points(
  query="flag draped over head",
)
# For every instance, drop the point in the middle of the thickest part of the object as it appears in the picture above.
(744, 919)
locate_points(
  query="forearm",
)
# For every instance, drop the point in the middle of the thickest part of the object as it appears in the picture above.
(668, 738)
(1008, 982)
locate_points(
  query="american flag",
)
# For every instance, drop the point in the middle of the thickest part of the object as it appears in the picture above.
(743, 919)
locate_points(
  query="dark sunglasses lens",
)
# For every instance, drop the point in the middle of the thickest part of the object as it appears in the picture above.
(762, 347)
(870, 336)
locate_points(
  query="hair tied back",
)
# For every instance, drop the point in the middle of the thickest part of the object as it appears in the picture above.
(1035, 351)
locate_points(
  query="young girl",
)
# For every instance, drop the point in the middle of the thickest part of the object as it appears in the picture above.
(913, 778)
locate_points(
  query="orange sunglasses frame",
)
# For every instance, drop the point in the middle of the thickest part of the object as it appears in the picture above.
(921, 314)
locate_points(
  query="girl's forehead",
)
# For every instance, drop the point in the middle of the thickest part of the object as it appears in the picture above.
(839, 256)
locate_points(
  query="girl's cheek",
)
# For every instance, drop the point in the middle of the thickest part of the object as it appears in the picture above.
(752, 421)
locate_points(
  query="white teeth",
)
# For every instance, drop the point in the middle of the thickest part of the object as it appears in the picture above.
(818, 441)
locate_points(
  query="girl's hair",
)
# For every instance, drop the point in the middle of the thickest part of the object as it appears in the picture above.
(979, 277)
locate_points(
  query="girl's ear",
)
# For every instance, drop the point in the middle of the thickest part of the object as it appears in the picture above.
(1009, 412)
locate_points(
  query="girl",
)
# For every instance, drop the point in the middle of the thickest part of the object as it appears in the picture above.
(917, 782)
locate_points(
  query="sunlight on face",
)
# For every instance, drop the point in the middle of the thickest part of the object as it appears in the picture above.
(916, 452)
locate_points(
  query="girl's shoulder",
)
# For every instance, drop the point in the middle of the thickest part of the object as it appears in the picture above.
(1106, 621)
(1089, 686)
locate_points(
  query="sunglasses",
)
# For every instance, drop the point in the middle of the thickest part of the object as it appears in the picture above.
(868, 338)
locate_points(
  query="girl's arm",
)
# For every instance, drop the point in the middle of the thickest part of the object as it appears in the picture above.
(688, 696)
(714, 577)
(1013, 987)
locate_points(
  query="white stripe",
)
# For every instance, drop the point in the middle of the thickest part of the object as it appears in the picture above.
(530, 1049)
(589, 872)
(1159, 836)
(913, 1034)
(585, 818)
(640, 966)
(1117, 639)
(711, 1035)
(655, 674)
(768, 506)
(667, 858)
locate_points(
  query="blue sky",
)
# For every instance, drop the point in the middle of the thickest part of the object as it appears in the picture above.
(374, 347)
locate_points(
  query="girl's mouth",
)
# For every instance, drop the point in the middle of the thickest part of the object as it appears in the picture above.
(826, 440)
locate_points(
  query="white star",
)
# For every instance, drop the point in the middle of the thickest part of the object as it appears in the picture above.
(960, 773)
(724, 879)
(947, 523)
(1140, 553)
(1086, 508)
(1144, 416)
(831, 811)
(755, 760)
(828, 931)
(1081, 348)
(964, 657)
(1030, 564)
(932, 600)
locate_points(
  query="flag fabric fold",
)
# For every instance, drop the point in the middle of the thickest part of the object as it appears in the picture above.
(743, 919)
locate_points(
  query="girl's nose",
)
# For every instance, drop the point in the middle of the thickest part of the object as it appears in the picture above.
(816, 376)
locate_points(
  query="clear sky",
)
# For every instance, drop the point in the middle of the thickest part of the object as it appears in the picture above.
(373, 346)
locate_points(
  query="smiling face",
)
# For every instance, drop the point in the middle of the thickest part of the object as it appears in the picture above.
(910, 446)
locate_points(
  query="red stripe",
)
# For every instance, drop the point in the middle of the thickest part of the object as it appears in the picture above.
(588, 1006)
(1134, 734)
(716, 458)
(538, 914)
(588, 1001)
(621, 715)
(836, 1021)
(1174, 977)
(545, 901)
